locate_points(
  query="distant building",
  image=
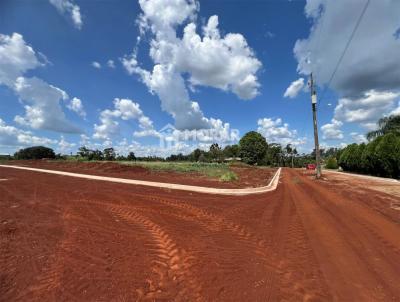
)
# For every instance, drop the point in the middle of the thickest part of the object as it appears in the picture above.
(232, 159)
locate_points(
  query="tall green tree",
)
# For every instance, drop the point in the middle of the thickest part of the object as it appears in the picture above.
(253, 148)
(388, 151)
(388, 124)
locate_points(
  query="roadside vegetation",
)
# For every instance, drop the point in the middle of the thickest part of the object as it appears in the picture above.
(380, 156)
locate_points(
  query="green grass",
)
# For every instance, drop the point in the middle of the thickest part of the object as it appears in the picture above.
(214, 170)
(228, 176)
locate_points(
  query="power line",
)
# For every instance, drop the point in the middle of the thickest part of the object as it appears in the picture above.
(345, 49)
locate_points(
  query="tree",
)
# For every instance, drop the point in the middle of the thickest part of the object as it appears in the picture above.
(273, 156)
(231, 151)
(131, 156)
(121, 158)
(253, 148)
(289, 152)
(388, 152)
(37, 152)
(388, 124)
(196, 154)
(83, 152)
(109, 154)
(369, 158)
(95, 155)
(216, 152)
(202, 158)
(331, 163)
(350, 159)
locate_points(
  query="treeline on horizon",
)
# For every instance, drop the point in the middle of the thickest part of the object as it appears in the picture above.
(379, 157)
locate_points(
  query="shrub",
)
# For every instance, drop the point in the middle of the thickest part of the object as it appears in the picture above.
(369, 159)
(331, 163)
(228, 176)
(37, 152)
(388, 152)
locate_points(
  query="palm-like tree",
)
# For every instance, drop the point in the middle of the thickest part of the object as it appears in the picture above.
(386, 125)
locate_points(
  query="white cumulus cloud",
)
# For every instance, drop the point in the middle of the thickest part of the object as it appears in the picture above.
(358, 138)
(225, 62)
(275, 131)
(294, 88)
(43, 110)
(70, 8)
(332, 130)
(368, 78)
(111, 64)
(42, 100)
(12, 136)
(64, 147)
(76, 105)
(124, 109)
(96, 64)
(367, 109)
(16, 57)
(365, 65)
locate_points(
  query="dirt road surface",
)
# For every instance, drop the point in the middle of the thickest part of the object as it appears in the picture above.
(69, 239)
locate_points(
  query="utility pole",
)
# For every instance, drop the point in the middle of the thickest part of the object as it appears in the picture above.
(314, 110)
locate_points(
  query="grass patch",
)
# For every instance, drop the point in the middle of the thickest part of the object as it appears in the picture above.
(228, 176)
(215, 170)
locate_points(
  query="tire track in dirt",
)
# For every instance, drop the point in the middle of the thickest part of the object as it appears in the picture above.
(172, 264)
(268, 251)
(357, 257)
(218, 223)
(299, 283)
(358, 226)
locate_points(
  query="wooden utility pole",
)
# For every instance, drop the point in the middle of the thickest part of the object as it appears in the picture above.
(314, 110)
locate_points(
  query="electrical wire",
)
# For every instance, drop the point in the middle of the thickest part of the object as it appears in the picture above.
(345, 50)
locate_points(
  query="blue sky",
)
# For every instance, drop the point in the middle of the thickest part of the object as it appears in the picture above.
(104, 73)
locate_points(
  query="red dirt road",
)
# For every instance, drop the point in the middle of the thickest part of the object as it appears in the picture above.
(67, 239)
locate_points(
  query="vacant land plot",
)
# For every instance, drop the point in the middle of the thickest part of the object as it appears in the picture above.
(69, 239)
(199, 174)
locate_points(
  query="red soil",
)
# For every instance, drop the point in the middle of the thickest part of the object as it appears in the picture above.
(248, 176)
(68, 239)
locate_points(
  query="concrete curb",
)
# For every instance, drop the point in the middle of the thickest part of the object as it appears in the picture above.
(219, 191)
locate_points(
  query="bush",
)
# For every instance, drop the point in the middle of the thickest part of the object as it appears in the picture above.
(369, 159)
(37, 152)
(253, 148)
(350, 158)
(331, 163)
(228, 176)
(380, 157)
(388, 152)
